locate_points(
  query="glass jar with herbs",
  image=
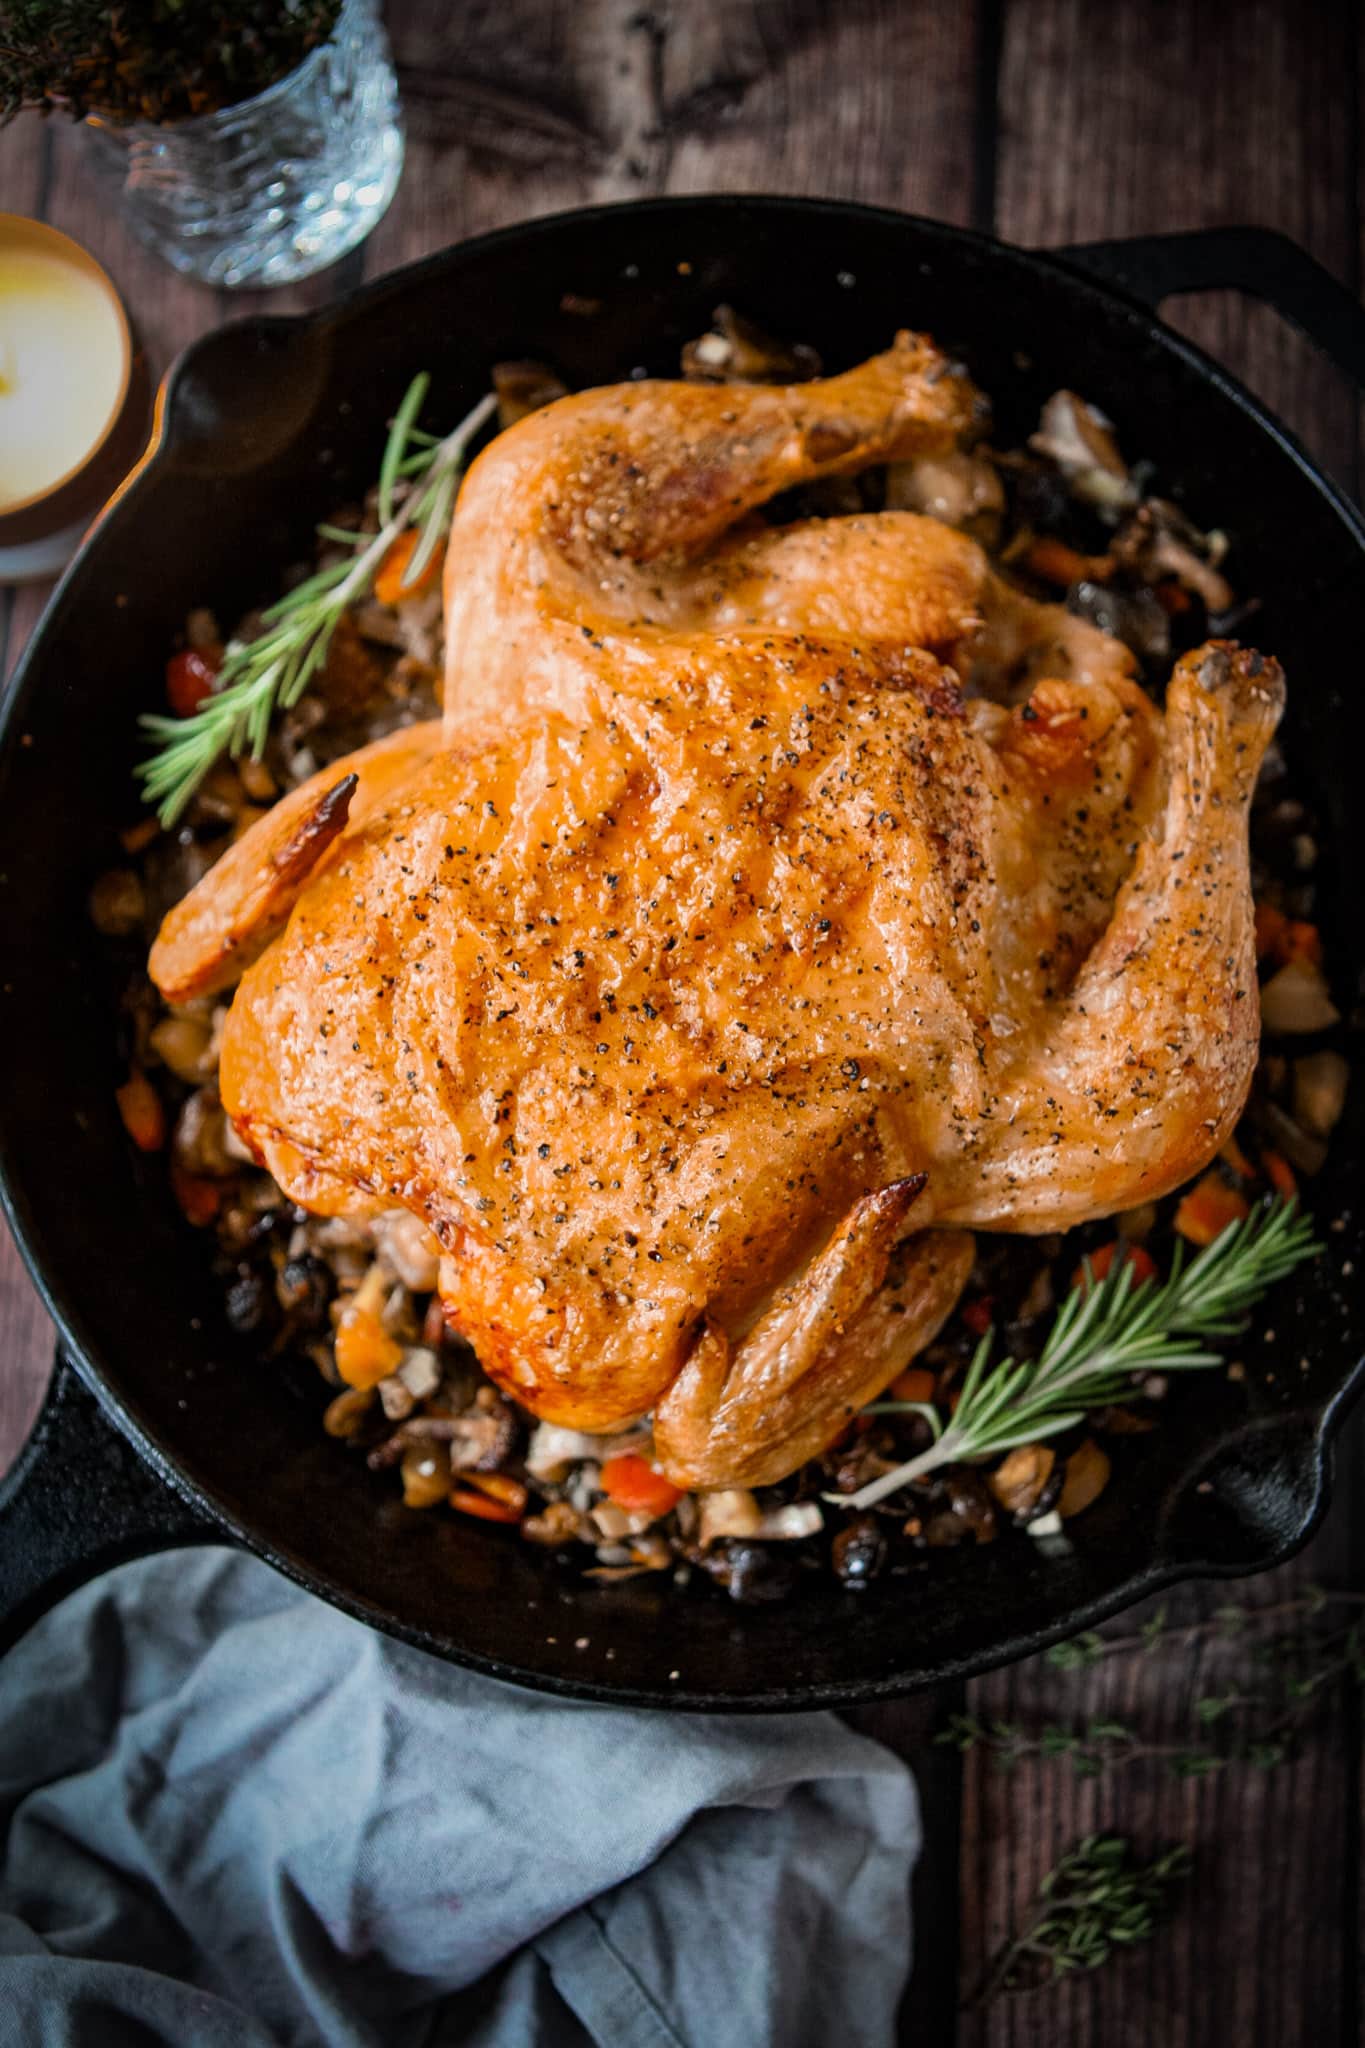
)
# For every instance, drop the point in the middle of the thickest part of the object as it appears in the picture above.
(250, 145)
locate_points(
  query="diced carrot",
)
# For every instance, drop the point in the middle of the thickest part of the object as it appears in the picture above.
(1231, 1153)
(1172, 597)
(634, 1484)
(979, 1314)
(466, 1502)
(1280, 1174)
(915, 1385)
(365, 1352)
(389, 584)
(1056, 563)
(200, 1199)
(1285, 939)
(190, 677)
(498, 1486)
(137, 838)
(1301, 941)
(1142, 1263)
(1208, 1208)
(144, 1119)
(1271, 925)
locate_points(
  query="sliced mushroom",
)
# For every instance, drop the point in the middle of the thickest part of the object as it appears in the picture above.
(1087, 1475)
(557, 1525)
(1136, 617)
(1020, 1483)
(183, 1044)
(1159, 542)
(524, 388)
(956, 488)
(485, 1438)
(1305, 1151)
(199, 1144)
(1080, 440)
(737, 352)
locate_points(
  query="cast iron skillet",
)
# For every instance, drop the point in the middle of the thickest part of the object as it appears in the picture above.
(261, 428)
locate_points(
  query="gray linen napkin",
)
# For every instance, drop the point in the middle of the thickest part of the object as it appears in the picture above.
(231, 1815)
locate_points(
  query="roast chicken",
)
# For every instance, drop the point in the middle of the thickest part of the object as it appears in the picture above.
(773, 905)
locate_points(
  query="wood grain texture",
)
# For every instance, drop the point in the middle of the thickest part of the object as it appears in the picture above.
(523, 109)
(1128, 120)
(1053, 121)
(1134, 119)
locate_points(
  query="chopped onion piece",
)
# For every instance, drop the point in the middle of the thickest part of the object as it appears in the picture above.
(790, 1524)
(553, 1450)
(1320, 1082)
(1300, 1147)
(730, 1511)
(420, 1372)
(1297, 1000)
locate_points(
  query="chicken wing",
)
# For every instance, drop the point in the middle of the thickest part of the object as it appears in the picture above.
(209, 939)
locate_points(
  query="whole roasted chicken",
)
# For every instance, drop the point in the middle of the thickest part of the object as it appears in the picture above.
(773, 904)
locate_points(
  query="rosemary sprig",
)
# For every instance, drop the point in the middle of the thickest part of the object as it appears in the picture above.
(1098, 1898)
(260, 677)
(1102, 1336)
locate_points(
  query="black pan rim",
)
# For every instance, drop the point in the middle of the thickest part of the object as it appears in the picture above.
(1323, 1416)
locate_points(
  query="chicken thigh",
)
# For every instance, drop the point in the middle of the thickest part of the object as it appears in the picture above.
(724, 960)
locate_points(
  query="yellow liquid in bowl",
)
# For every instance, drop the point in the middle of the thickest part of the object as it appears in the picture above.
(61, 370)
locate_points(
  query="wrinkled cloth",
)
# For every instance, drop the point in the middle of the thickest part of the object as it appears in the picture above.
(235, 1818)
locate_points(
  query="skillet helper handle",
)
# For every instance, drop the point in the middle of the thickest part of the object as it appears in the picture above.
(1259, 261)
(79, 1499)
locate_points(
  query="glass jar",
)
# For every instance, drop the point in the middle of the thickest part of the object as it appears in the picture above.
(276, 187)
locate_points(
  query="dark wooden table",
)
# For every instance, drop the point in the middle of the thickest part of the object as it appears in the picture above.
(1048, 121)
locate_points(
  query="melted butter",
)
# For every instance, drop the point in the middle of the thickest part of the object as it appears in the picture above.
(61, 366)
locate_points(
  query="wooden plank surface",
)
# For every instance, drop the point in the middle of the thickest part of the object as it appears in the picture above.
(1052, 121)
(1117, 121)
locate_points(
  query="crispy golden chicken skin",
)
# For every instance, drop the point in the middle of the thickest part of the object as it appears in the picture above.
(724, 965)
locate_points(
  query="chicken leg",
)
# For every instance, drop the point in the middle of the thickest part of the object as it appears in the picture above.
(747, 1412)
(1135, 1079)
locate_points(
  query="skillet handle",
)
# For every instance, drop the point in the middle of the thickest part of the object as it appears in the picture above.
(78, 1500)
(1259, 261)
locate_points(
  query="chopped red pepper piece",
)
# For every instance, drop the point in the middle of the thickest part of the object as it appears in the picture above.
(632, 1482)
(190, 677)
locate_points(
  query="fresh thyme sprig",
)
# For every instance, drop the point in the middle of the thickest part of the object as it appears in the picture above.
(1098, 1898)
(1102, 1336)
(260, 677)
(1255, 1721)
(1229, 1622)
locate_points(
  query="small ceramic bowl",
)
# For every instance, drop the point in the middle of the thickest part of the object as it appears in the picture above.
(40, 532)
